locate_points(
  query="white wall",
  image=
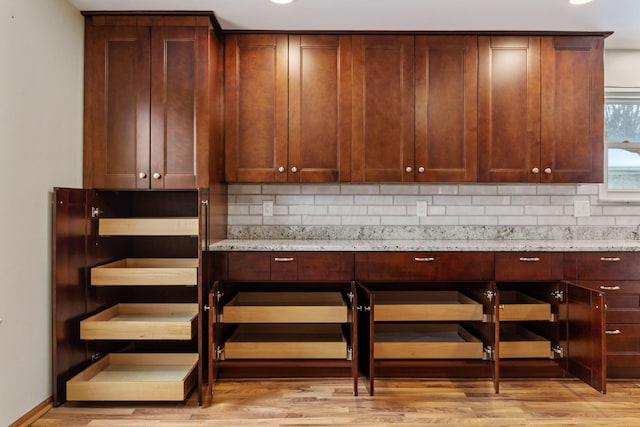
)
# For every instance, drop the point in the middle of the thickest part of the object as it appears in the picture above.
(622, 68)
(41, 66)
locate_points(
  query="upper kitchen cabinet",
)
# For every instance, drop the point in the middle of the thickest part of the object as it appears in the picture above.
(572, 109)
(445, 109)
(288, 108)
(540, 109)
(383, 108)
(149, 101)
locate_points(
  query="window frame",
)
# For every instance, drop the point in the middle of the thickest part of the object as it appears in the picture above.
(618, 95)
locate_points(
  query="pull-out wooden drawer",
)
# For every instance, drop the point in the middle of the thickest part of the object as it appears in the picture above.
(519, 342)
(142, 322)
(518, 306)
(425, 306)
(286, 307)
(136, 377)
(146, 271)
(286, 341)
(148, 227)
(425, 341)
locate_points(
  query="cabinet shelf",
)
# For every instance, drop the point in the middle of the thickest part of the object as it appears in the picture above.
(136, 377)
(146, 271)
(286, 307)
(148, 226)
(287, 341)
(425, 341)
(425, 306)
(142, 322)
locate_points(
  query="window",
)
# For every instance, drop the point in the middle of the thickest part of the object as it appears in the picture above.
(622, 145)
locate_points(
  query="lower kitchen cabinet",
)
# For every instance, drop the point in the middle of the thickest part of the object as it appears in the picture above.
(128, 290)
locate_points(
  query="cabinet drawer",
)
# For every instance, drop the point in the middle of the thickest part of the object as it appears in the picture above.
(528, 266)
(519, 342)
(142, 322)
(289, 266)
(425, 306)
(623, 338)
(608, 266)
(518, 306)
(148, 227)
(147, 271)
(286, 342)
(286, 307)
(425, 341)
(245, 266)
(136, 377)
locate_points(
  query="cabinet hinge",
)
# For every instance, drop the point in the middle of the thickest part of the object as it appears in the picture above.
(557, 352)
(219, 295)
(349, 353)
(364, 308)
(559, 295)
(350, 297)
(95, 357)
(206, 307)
(205, 202)
(487, 353)
(220, 353)
(95, 212)
(490, 295)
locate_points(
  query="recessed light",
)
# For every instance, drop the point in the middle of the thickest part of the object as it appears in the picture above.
(282, 1)
(580, 1)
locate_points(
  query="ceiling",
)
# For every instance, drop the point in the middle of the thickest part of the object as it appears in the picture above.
(620, 16)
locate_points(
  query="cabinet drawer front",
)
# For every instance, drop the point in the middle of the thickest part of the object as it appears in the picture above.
(397, 266)
(608, 266)
(325, 266)
(466, 266)
(249, 266)
(284, 266)
(528, 266)
(623, 338)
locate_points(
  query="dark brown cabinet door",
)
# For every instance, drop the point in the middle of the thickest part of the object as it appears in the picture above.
(509, 109)
(256, 103)
(147, 102)
(319, 108)
(446, 108)
(117, 85)
(383, 109)
(179, 107)
(572, 109)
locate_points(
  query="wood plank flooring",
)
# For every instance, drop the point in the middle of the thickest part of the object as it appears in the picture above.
(323, 402)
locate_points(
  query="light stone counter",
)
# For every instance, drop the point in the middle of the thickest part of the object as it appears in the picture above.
(428, 245)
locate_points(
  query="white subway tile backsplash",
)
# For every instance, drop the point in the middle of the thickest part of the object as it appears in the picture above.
(482, 210)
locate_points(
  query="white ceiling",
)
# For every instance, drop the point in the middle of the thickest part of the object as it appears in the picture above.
(620, 16)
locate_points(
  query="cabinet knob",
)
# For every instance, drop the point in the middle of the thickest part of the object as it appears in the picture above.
(421, 169)
(547, 171)
(142, 175)
(294, 169)
(281, 169)
(408, 169)
(156, 175)
(535, 170)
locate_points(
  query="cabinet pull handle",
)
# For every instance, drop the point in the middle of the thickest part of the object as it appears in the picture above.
(610, 288)
(277, 259)
(529, 259)
(610, 259)
(614, 332)
(429, 259)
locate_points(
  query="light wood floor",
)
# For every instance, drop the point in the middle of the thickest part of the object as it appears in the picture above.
(322, 402)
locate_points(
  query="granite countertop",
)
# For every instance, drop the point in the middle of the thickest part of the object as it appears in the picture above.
(427, 245)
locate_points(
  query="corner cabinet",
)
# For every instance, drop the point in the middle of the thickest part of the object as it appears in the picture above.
(128, 280)
(288, 108)
(150, 103)
(540, 109)
(283, 314)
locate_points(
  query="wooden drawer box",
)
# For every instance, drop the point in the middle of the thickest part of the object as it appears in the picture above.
(280, 341)
(425, 341)
(519, 342)
(136, 377)
(517, 306)
(286, 307)
(425, 306)
(147, 271)
(148, 227)
(142, 322)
